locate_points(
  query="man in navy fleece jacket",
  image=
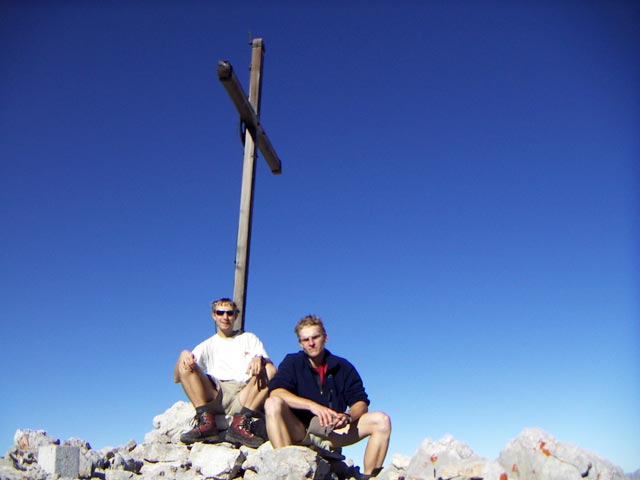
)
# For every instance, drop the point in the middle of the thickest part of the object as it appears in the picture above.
(317, 392)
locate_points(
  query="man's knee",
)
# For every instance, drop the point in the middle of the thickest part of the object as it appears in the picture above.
(273, 406)
(181, 358)
(382, 423)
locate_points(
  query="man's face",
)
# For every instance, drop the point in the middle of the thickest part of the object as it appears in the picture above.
(224, 315)
(312, 340)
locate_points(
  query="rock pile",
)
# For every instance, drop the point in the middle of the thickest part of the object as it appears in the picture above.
(533, 455)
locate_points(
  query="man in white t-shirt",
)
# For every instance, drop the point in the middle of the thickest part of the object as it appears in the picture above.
(228, 373)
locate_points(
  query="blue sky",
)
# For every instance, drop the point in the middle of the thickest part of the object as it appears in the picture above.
(459, 202)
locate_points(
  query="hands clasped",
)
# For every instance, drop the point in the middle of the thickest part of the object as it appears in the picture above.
(330, 418)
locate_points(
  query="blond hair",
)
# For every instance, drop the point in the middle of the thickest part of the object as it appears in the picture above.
(224, 301)
(309, 321)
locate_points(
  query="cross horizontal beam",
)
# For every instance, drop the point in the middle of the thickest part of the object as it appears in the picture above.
(227, 76)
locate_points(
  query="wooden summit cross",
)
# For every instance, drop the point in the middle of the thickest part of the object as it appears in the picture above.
(249, 110)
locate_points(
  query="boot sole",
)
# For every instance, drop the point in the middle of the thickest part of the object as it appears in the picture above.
(232, 437)
(209, 439)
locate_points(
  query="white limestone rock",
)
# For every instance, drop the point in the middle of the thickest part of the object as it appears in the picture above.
(88, 457)
(120, 458)
(288, 463)
(30, 440)
(23, 455)
(536, 454)
(170, 424)
(161, 452)
(119, 475)
(8, 472)
(450, 458)
(396, 469)
(176, 420)
(60, 460)
(167, 471)
(217, 461)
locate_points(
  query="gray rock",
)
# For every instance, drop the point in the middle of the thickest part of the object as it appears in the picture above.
(60, 460)
(30, 440)
(168, 471)
(289, 463)
(161, 452)
(118, 459)
(170, 424)
(8, 472)
(450, 458)
(536, 455)
(77, 442)
(396, 470)
(633, 475)
(88, 457)
(21, 459)
(119, 475)
(217, 461)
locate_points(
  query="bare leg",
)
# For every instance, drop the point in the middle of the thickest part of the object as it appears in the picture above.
(378, 443)
(196, 384)
(255, 393)
(204, 397)
(283, 427)
(376, 426)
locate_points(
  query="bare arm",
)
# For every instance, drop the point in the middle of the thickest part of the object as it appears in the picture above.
(358, 409)
(257, 365)
(355, 412)
(325, 415)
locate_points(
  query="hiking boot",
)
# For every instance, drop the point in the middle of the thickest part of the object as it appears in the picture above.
(204, 429)
(329, 453)
(246, 430)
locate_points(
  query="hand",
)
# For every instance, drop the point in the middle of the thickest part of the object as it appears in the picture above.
(255, 366)
(188, 361)
(326, 416)
(342, 420)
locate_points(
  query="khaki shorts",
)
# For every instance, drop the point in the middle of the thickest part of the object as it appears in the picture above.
(230, 395)
(318, 438)
(315, 428)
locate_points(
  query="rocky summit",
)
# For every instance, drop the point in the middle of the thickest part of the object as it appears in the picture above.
(533, 455)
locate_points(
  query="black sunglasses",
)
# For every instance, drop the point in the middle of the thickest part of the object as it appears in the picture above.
(221, 313)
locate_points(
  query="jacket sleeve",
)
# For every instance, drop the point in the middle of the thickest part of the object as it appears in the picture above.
(354, 388)
(286, 376)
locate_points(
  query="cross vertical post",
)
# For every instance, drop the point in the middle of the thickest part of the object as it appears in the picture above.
(249, 111)
(248, 184)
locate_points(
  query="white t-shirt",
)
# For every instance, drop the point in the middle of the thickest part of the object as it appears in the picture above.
(228, 358)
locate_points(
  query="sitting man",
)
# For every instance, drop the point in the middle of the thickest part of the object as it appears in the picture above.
(310, 394)
(227, 373)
